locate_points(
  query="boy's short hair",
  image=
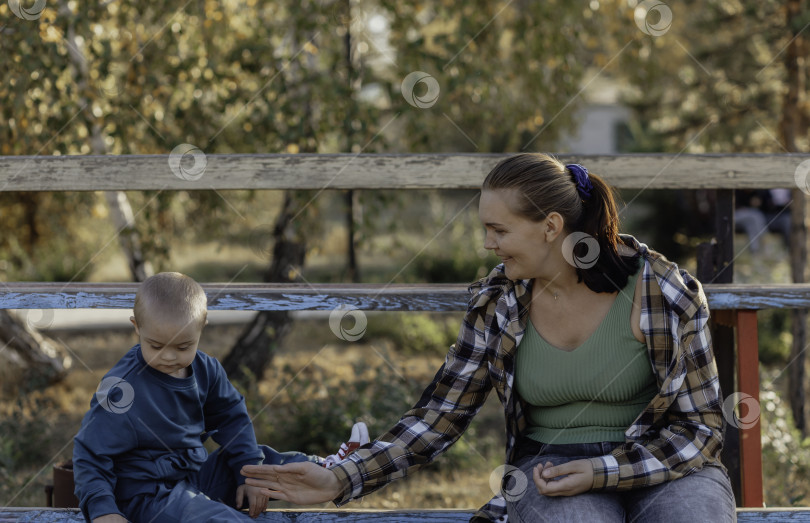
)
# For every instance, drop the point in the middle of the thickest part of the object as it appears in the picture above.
(171, 294)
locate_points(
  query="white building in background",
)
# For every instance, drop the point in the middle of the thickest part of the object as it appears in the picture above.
(599, 121)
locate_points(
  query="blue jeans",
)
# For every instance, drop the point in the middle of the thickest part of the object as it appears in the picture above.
(208, 496)
(704, 495)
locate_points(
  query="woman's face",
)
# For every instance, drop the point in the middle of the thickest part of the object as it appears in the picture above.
(522, 245)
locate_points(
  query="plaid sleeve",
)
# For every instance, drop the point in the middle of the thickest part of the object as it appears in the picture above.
(439, 418)
(691, 434)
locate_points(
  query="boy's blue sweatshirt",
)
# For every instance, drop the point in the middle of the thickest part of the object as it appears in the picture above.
(154, 432)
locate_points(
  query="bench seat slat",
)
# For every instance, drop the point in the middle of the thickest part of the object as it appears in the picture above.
(271, 516)
(50, 515)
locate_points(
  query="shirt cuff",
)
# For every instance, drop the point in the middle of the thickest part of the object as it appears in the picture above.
(102, 505)
(605, 472)
(237, 469)
(349, 475)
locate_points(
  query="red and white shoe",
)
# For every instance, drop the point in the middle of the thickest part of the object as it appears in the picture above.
(359, 437)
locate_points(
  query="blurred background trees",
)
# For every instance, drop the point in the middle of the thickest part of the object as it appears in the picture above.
(122, 77)
(284, 77)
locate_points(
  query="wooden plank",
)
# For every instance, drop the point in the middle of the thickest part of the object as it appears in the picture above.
(326, 297)
(271, 516)
(287, 297)
(773, 515)
(12, 514)
(750, 436)
(758, 297)
(380, 171)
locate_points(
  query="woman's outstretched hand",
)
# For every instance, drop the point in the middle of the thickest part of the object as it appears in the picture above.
(578, 478)
(303, 483)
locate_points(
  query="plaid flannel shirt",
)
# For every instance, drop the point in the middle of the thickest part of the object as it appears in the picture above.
(679, 431)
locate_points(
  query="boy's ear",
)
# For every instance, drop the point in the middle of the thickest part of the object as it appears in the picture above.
(134, 324)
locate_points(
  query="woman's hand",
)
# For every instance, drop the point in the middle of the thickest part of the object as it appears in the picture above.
(303, 483)
(257, 501)
(578, 478)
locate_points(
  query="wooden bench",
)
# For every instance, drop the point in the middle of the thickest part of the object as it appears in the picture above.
(55, 515)
(723, 173)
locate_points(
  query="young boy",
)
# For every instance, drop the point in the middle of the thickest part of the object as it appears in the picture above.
(139, 454)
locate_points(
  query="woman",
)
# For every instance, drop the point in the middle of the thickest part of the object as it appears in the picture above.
(599, 350)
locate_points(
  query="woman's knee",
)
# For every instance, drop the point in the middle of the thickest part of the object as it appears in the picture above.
(704, 495)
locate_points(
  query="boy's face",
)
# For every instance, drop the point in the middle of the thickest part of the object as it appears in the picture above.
(168, 345)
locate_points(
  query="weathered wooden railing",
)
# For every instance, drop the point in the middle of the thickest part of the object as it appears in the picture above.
(722, 173)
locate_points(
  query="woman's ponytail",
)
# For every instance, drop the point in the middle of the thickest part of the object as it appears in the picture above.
(600, 220)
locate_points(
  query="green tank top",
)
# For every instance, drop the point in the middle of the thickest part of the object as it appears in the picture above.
(593, 393)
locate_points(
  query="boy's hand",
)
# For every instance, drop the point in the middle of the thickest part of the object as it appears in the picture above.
(257, 501)
(111, 518)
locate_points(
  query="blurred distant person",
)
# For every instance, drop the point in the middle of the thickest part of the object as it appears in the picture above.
(761, 211)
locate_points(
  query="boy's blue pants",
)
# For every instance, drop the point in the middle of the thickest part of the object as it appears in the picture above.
(207, 496)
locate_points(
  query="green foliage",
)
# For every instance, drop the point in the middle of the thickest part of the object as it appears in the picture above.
(276, 77)
(714, 82)
(51, 240)
(785, 456)
(447, 243)
(25, 434)
(415, 332)
(774, 337)
(314, 411)
(453, 267)
(505, 72)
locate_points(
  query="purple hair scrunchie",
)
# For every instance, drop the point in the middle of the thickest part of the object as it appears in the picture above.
(584, 186)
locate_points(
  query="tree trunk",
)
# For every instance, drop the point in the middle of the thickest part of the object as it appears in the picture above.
(29, 360)
(789, 127)
(117, 201)
(253, 351)
(128, 237)
(351, 207)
